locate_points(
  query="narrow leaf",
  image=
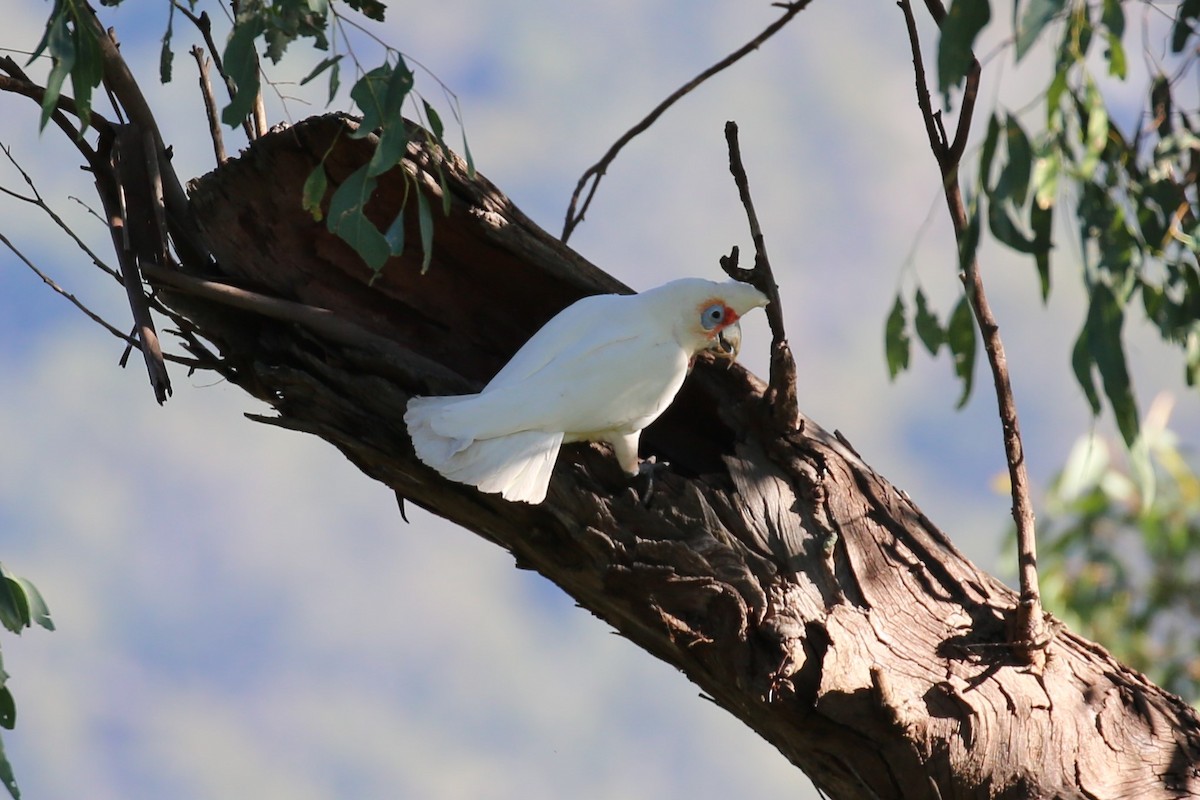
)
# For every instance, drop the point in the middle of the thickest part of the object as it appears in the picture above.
(6, 775)
(241, 63)
(964, 20)
(435, 122)
(1015, 175)
(960, 335)
(425, 224)
(1104, 346)
(314, 191)
(389, 150)
(1184, 27)
(895, 340)
(166, 56)
(62, 53)
(1006, 231)
(8, 709)
(39, 612)
(1041, 223)
(929, 330)
(368, 94)
(1037, 14)
(988, 153)
(1046, 171)
(350, 197)
(1096, 135)
(324, 64)
(361, 234)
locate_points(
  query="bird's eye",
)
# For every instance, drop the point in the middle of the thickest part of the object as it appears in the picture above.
(712, 316)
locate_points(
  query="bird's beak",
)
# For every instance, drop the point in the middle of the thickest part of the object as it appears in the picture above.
(728, 341)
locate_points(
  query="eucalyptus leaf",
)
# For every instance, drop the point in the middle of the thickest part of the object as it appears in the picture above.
(895, 339)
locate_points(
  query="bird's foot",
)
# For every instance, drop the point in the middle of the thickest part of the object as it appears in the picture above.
(643, 480)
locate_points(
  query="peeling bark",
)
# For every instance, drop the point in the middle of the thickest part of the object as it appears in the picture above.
(789, 581)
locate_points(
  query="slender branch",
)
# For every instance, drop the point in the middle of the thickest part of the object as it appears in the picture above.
(595, 172)
(781, 392)
(40, 202)
(210, 106)
(1029, 639)
(75, 301)
(204, 24)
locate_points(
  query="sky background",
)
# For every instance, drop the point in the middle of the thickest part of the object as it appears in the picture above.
(242, 614)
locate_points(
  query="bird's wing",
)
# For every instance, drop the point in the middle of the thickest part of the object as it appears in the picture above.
(612, 385)
(572, 330)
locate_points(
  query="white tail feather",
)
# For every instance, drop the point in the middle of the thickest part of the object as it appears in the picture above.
(517, 466)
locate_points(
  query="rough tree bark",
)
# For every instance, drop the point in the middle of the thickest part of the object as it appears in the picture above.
(795, 586)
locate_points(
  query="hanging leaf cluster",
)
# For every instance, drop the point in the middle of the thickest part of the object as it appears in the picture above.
(1130, 192)
(21, 607)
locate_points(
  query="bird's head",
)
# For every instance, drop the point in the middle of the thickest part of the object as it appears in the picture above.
(710, 313)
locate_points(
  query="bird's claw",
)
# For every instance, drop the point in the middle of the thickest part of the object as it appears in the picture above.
(643, 481)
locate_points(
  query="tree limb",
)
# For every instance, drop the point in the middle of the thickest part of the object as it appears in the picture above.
(1029, 637)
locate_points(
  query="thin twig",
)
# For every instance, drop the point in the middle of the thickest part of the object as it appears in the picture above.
(75, 301)
(595, 172)
(204, 24)
(781, 390)
(18, 83)
(1028, 637)
(38, 201)
(210, 106)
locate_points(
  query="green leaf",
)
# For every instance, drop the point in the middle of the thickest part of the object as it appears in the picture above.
(1184, 29)
(1041, 223)
(964, 20)
(895, 340)
(1006, 231)
(425, 224)
(38, 611)
(929, 330)
(988, 153)
(62, 53)
(14, 610)
(323, 65)
(1046, 171)
(389, 150)
(8, 709)
(361, 234)
(1096, 136)
(347, 220)
(166, 56)
(1014, 176)
(1104, 320)
(467, 155)
(1113, 19)
(960, 335)
(1037, 14)
(435, 122)
(314, 191)
(369, 94)
(241, 64)
(350, 196)
(372, 9)
(400, 84)
(7, 776)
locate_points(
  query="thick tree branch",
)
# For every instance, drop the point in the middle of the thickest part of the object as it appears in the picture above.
(791, 583)
(595, 172)
(1029, 637)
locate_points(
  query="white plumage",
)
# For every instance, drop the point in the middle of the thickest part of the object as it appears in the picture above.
(601, 370)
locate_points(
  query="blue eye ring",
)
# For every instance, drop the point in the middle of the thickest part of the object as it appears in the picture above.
(712, 316)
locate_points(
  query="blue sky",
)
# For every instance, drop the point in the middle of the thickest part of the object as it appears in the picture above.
(242, 614)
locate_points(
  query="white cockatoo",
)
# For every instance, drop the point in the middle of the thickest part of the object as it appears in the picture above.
(601, 370)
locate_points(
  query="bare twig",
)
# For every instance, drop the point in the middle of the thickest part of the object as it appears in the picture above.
(18, 83)
(38, 201)
(210, 106)
(595, 172)
(204, 24)
(781, 391)
(1028, 637)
